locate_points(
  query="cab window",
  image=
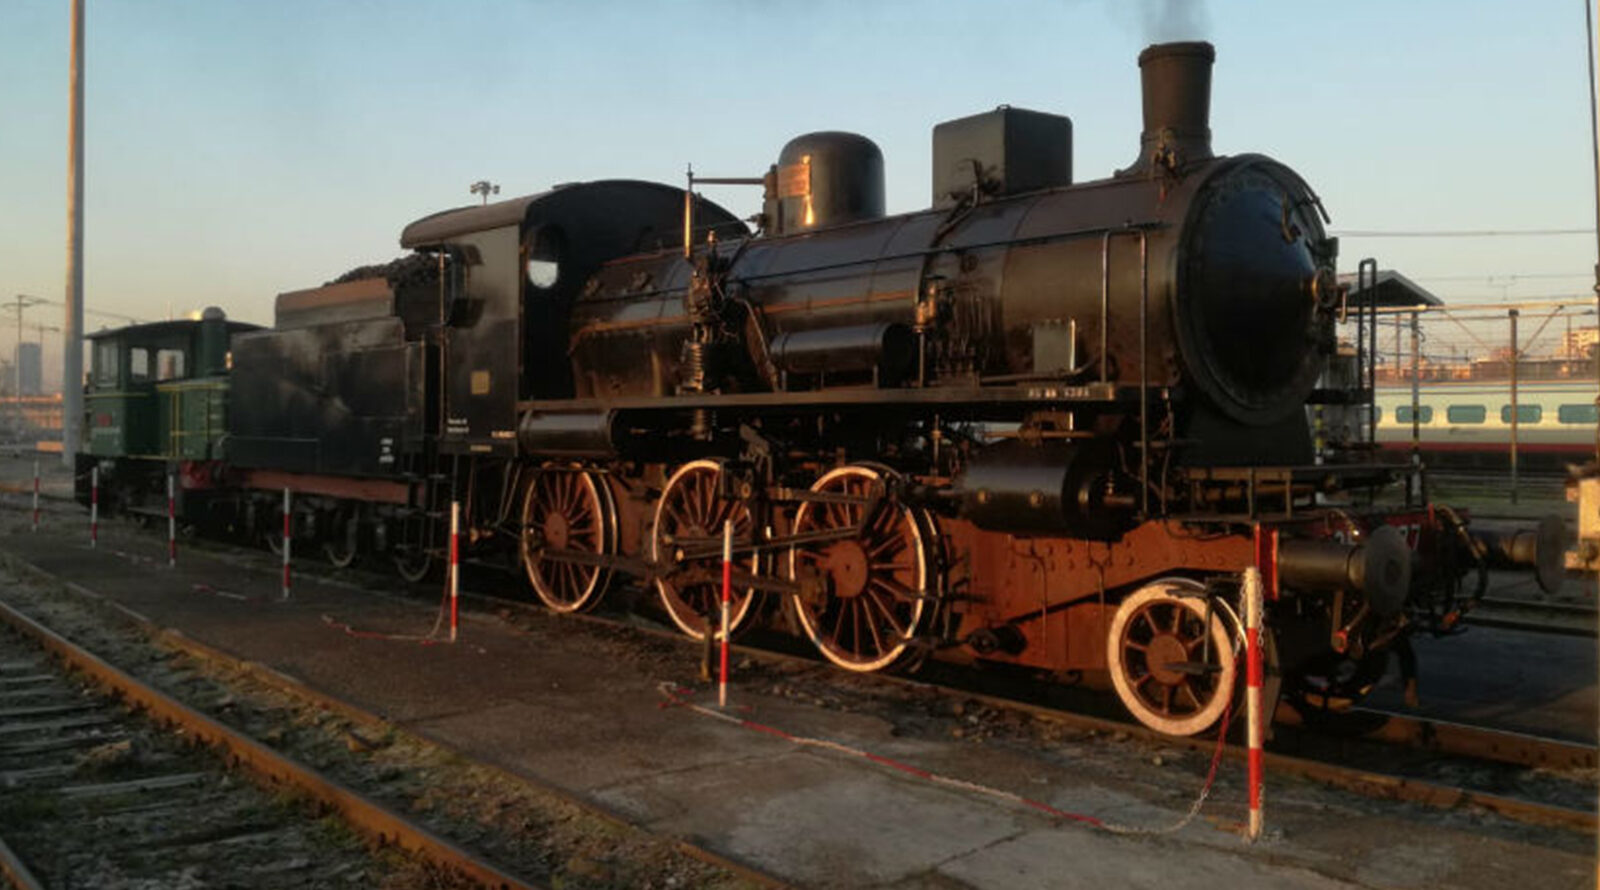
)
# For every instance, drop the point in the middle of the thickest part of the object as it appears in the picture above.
(105, 363)
(169, 364)
(138, 364)
(544, 250)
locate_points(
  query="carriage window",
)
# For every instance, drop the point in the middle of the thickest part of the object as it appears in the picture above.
(1525, 413)
(1402, 414)
(1578, 414)
(105, 363)
(169, 364)
(1466, 413)
(139, 364)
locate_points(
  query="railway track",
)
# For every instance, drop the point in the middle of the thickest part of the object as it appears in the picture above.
(1424, 749)
(1538, 616)
(105, 786)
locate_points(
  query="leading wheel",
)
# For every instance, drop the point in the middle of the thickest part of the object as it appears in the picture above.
(567, 517)
(875, 581)
(687, 536)
(1160, 662)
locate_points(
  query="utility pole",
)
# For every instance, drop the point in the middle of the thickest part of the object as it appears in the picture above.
(485, 188)
(72, 338)
(1589, 37)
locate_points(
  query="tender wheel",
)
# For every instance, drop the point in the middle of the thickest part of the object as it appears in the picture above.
(413, 564)
(342, 548)
(877, 586)
(1159, 665)
(567, 510)
(273, 539)
(689, 518)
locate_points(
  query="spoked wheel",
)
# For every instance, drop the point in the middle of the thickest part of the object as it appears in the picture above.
(413, 559)
(273, 538)
(342, 548)
(413, 563)
(688, 534)
(877, 585)
(567, 510)
(1160, 663)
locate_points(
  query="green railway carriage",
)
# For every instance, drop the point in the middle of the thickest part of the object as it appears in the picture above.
(156, 394)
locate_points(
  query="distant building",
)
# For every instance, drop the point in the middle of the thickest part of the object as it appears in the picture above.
(1580, 342)
(30, 360)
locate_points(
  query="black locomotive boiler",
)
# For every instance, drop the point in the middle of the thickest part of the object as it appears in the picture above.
(1042, 423)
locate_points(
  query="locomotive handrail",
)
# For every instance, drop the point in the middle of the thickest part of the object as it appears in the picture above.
(1032, 240)
(1042, 392)
(1143, 233)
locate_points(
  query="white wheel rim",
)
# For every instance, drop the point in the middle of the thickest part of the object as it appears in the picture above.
(681, 614)
(1180, 593)
(812, 623)
(592, 495)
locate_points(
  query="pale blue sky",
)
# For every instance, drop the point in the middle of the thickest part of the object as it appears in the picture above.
(239, 149)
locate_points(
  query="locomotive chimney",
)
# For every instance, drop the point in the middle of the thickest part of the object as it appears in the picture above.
(1176, 80)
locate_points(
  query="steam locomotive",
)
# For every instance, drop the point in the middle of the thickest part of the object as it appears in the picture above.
(1042, 423)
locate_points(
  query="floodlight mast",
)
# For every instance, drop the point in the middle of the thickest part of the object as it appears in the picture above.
(72, 337)
(485, 188)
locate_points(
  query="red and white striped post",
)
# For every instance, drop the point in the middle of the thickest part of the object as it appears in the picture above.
(727, 597)
(36, 494)
(1252, 692)
(455, 564)
(94, 506)
(172, 518)
(287, 541)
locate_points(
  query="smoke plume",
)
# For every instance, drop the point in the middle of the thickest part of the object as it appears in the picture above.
(1164, 21)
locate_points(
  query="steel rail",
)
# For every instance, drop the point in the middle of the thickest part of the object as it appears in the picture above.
(1467, 740)
(1566, 619)
(15, 871)
(294, 687)
(368, 817)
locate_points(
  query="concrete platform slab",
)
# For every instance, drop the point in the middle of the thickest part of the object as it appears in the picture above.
(578, 707)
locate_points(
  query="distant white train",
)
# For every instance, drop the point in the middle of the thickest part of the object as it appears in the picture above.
(1468, 423)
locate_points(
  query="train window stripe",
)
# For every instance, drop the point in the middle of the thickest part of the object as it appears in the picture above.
(1466, 413)
(1525, 413)
(1578, 414)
